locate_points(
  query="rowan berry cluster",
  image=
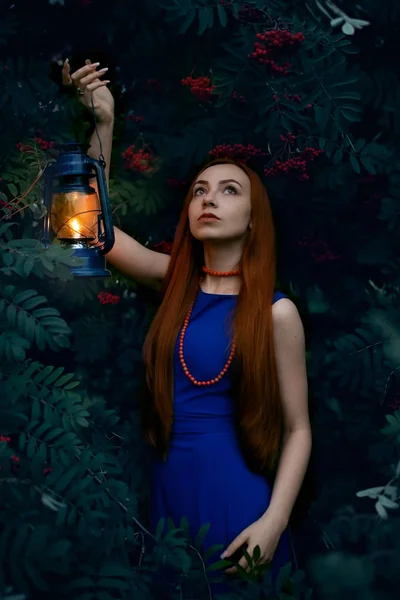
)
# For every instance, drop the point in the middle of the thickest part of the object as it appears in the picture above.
(108, 298)
(154, 83)
(249, 13)
(270, 41)
(294, 98)
(239, 98)
(396, 402)
(296, 165)
(5, 438)
(44, 145)
(135, 118)
(289, 137)
(137, 160)
(200, 87)
(319, 250)
(163, 247)
(239, 151)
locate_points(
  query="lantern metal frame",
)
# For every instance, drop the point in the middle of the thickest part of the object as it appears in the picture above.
(73, 169)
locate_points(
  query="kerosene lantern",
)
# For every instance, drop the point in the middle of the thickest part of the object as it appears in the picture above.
(76, 215)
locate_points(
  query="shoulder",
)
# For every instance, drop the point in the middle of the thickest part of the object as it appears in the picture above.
(281, 304)
(286, 317)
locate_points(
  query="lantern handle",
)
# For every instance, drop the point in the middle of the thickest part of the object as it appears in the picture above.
(106, 211)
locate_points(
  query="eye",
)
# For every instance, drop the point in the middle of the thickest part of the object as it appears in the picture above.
(231, 187)
(196, 190)
(228, 187)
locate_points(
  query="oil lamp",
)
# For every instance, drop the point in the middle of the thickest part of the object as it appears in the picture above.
(76, 215)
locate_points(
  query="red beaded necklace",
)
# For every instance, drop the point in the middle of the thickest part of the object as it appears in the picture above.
(185, 326)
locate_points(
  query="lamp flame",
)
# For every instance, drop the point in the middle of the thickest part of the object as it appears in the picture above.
(76, 232)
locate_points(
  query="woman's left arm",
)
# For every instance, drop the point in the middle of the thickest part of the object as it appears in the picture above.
(296, 447)
(296, 444)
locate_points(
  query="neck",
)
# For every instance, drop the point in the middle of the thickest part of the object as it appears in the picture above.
(221, 258)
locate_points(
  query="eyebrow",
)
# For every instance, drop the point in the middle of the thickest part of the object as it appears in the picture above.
(223, 181)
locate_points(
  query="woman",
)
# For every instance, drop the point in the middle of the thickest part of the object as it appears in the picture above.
(225, 359)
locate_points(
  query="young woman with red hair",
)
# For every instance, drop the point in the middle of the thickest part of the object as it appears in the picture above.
(226, 411)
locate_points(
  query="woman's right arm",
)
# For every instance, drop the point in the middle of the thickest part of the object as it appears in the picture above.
(130, 257)
(135, 260)
(127, 255)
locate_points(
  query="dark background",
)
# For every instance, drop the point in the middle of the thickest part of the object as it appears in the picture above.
(338, 260)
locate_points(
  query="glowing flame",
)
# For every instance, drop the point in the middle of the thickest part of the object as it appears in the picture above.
(75, 228)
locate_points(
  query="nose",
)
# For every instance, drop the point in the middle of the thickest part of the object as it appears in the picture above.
(208, 200)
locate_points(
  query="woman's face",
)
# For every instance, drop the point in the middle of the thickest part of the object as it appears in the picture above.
(225, 191)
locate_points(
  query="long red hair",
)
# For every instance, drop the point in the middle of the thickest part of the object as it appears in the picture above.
(255, 387)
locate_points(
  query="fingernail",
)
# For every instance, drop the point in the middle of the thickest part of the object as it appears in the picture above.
(95, 64)
(223, 555)
(105, 69)
(66, 61)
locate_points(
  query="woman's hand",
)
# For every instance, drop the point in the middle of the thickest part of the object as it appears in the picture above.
(264, 533)
(87, 79)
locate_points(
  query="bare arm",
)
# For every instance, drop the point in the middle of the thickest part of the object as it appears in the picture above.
(129, 256)
(293, 384)
(135, 260)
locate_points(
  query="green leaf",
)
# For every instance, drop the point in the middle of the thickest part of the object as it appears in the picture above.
(11, 314)
(188, 18)
(33, 302)
(31, 448)
(355, 164)
(206, 19)
(53, 376)
(28, 266)
(65, 480)
(213, 550)
(359, 144)
(367, 164)
(257, 553)
(48, 311)
(219, 565)
(72, 385)
(352, 116)
(35, 414)
(159, 529)
(201, 535)
(337, 157)
(36, 576)
(23, 296)
(64, 379)
(54, 433)
(348, 29)
(21, 442)
(322, 116)
(13, 190)
(223, 17)
(60, 548)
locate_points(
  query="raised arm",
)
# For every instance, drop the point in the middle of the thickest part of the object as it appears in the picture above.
(127, 255)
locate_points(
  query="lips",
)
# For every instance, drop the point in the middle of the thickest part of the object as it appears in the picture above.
(208, 216)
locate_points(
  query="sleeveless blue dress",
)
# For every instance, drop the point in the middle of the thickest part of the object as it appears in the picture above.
(205, 477)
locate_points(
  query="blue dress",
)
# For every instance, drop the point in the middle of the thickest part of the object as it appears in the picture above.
(205, 477)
